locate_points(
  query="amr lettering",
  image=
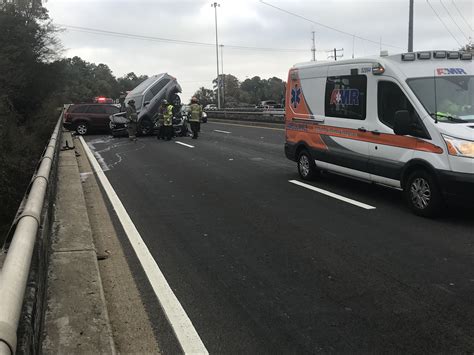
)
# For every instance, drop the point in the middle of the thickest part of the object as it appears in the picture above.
(345, 97)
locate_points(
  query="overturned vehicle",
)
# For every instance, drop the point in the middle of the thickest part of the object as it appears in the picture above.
(148, 96)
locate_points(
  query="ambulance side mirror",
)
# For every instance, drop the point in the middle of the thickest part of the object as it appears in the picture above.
(402, 123)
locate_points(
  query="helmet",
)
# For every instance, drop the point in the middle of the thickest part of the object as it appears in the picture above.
(194, 99)
(131, 102)
(164, 102)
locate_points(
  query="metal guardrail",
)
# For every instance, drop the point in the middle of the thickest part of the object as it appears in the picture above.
(16, 267)
(274, 116)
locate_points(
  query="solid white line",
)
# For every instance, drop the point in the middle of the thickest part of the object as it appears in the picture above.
(186, 145)
(218, 130)
(182, 326)
(333, 195)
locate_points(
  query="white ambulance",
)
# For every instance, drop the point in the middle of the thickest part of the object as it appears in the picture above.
(405, 121)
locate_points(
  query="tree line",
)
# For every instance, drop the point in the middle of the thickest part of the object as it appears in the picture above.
(249, 92)
(34, 84)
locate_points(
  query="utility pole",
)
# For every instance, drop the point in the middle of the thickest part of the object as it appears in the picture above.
(215, 6)
(335, 55)
(410, 28)
(313, 49)
(353, 45)
(223, 75)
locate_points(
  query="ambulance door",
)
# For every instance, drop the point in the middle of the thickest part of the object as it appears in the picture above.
(389, 152)
(345, 122)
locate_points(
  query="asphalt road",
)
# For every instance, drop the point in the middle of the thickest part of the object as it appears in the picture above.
(265, 266)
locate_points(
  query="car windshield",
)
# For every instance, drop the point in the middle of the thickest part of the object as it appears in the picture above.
(449, 98)
(138, 101)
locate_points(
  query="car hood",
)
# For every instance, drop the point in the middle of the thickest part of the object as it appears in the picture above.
(457, 130)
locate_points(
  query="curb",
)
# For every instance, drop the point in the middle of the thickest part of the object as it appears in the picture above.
(76, 318)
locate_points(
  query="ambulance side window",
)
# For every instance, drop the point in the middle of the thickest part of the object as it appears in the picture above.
(390, 99)
(346, 96)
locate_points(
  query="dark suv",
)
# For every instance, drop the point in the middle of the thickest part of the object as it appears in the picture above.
(83, 118)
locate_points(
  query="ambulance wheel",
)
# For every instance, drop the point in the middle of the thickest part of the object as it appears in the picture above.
(422, 194)
(306, 166)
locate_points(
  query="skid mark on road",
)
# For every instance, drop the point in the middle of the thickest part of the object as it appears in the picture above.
(111, 146)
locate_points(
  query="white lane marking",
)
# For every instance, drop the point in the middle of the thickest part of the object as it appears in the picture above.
(186, 145)
(333, 195)
(182, 326)
(218, 130)
(248, 126)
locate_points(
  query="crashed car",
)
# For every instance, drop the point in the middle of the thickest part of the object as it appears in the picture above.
(148, 96)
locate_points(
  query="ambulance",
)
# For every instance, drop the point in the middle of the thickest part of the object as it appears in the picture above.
(405, 121)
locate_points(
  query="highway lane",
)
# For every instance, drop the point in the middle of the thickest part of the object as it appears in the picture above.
(262, 265)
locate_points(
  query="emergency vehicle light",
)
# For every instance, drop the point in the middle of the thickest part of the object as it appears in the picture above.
(439, 54)
(424, 55)
(378, 69)
(466, 56)
(408, 56)
(453, 55)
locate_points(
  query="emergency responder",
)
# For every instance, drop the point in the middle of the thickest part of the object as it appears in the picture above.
(195, 118)
(132, 120)
(167, 119)
(159, 117)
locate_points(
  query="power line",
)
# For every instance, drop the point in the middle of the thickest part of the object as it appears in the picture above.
(328, 27)
(445, 26)
(460, 14)
(171, 40)
(452, 19)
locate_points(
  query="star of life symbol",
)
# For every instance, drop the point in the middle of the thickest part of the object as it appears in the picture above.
(295, 96)
(338, 97)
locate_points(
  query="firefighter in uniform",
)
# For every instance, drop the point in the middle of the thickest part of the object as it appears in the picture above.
(132, 120)
(167, 119)
(196, 115)
(159, 117)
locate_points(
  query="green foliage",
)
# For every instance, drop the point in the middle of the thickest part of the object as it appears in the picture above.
(250, 92)
(205, 96)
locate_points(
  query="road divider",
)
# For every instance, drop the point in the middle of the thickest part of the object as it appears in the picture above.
(333, 195)
(182, 326)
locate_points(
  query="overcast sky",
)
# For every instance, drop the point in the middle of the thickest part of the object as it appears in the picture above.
(248, 23)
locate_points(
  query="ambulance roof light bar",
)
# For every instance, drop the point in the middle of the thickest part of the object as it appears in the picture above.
(408, 56)
(423, 55)
(453, 55)
(466, 56)
(439, 54)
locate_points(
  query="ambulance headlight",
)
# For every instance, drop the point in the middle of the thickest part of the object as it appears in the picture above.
(459, 147)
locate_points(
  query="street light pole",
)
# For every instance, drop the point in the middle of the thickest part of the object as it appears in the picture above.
(223, 75)
(410, 28)
(215, 5)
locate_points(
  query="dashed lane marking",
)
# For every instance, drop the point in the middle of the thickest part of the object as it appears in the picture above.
(186, 145)
(182, 326)
(247, 126)
(219, 131)
(333, 195)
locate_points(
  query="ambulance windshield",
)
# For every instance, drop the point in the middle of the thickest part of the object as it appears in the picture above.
(448, 98)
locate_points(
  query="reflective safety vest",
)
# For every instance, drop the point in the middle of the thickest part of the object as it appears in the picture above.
(196, 113)
(168, 116)
(132, 113)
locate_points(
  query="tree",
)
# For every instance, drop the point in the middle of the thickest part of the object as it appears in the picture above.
(205, 96)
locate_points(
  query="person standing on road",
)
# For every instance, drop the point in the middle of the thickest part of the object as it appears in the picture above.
(132, 120)
(196, 114)
(160, 117)
(167, 119)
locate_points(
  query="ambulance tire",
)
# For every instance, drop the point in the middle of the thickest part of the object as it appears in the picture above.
(422, 194)
(306, 166)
